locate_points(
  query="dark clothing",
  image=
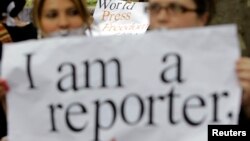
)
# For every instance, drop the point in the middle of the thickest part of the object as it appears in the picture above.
(243, 119)
(3, 123)
(19, 4)
(1, 45)
(22, 33)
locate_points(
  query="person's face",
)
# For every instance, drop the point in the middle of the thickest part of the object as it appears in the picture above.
(59, 15)
(179, 14)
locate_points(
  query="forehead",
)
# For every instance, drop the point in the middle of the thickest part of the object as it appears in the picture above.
(188, 2)
(57, 3)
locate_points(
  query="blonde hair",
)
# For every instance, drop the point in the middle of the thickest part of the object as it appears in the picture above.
(81, 5)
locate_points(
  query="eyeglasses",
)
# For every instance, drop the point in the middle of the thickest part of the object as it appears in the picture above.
(172, 8)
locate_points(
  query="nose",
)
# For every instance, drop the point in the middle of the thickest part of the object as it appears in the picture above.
(163, 16)
(63, 22)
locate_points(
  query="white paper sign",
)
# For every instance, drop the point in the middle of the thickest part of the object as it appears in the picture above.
(152, 87)
(116, 17)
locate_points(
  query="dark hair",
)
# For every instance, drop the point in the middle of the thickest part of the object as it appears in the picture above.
(205, 6)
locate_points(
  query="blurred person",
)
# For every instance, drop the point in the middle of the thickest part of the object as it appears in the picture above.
(54, 18)
(179, 13)
(18, 6)
(18, 29)
(172, 14)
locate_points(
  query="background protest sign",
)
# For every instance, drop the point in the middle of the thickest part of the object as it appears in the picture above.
(121, 17)
(157, 86)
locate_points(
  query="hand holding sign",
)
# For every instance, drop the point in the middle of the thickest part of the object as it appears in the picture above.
(243, 71)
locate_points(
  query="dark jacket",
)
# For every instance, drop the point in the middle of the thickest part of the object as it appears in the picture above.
(22, 33)
(19, 5)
